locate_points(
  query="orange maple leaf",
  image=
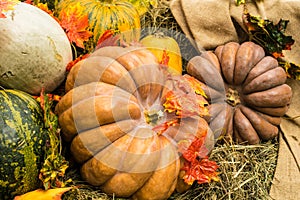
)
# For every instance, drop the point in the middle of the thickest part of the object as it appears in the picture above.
(187, 98)
(73, 62)
(165, 58)
(28, 1)
(44, 7)
(195, 84)
(197, 166)
(75, 24)
(202, 171)
(108, 38)
(6, 5)
(161, 128)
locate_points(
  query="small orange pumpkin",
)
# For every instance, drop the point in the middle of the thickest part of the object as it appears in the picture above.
(166, 50)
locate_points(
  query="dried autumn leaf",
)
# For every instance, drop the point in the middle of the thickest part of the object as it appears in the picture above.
(184, 100)
(6, 5)
(55, 165)
(192, 150)
(28, 1)
(75, 24)
(73, 62)
(195, 84)
(239, 2)
(165, 58)
(39, 194)
(202, 171)
(292, 70)
(197, 166)
(44, 7)
(108, 38)
(267, 34)
(273, 39)
(161, 128)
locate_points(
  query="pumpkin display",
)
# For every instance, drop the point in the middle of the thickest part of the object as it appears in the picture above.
(118, 16)
(251, 86)
(166, 50)
(122, 134)
(34, 50)
(21, 143)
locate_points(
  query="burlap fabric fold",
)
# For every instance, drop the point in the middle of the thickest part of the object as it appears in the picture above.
(214, 22)
(210, 23)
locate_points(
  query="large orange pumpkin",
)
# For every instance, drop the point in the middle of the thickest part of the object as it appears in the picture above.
(122, 133)
(250, 87)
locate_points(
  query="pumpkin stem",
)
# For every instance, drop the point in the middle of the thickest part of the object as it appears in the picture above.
(232, 97)
(107, 1)
(159, 34)
(153, 116)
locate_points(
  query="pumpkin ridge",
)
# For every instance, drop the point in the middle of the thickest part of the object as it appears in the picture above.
(245, 129)
(159, 174)
(274, 97)
(273, 111)
(265, 64)
(77, 120)
(247, 56)
(267, 80)
(264, 129)
(271, 119)
(83, 146)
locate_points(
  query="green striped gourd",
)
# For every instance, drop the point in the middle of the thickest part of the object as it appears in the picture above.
(21, 143)
(116, 15)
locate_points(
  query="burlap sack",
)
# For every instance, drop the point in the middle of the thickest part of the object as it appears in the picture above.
(209, 23)
(286, 183)
(214, 22)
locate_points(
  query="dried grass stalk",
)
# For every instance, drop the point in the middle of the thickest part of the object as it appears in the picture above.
(246, 172)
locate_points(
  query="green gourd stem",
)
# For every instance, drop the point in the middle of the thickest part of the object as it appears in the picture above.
(159, 35)
(107, 1)
(153, 116)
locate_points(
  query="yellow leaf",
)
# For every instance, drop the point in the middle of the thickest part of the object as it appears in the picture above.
(39, 194)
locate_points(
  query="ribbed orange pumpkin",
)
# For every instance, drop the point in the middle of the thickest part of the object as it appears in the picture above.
(251, 87)
(113, 115)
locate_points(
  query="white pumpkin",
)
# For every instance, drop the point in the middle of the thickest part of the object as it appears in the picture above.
(34, 50)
